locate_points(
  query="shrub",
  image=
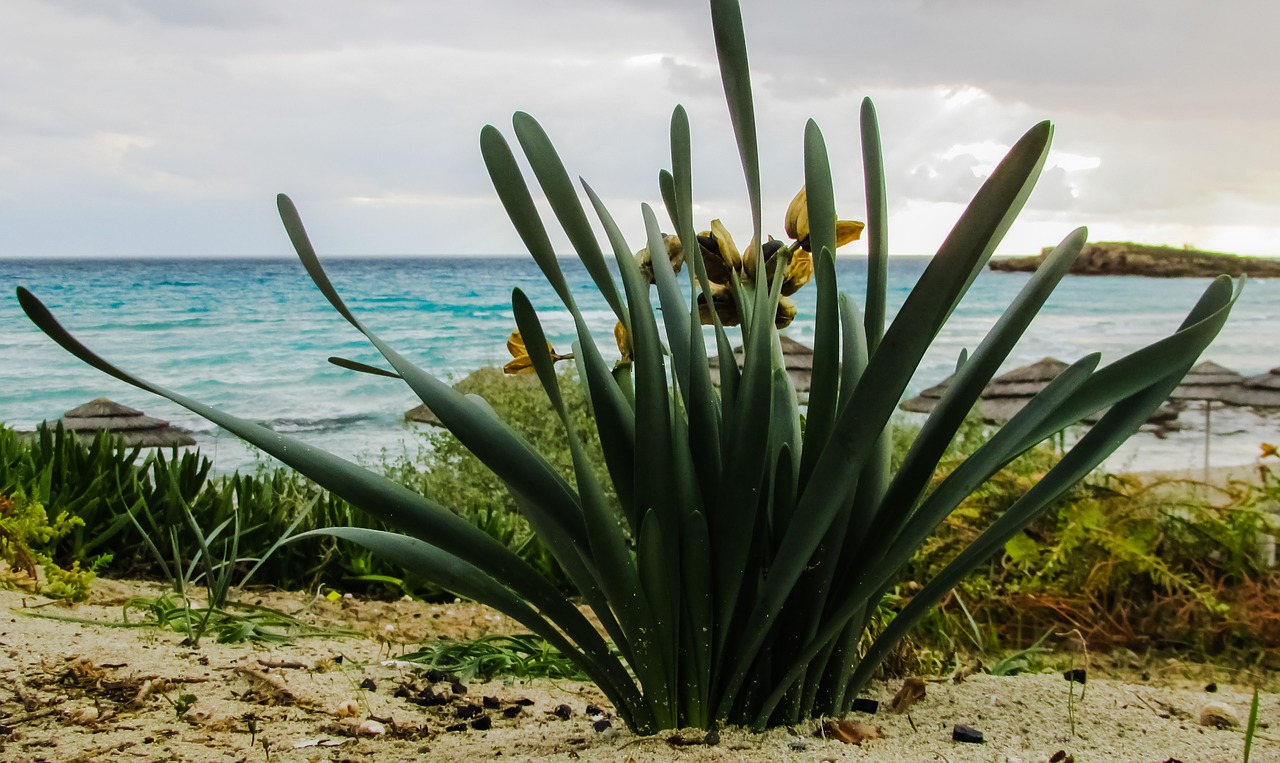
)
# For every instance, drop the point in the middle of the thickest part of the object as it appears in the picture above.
(26, 535)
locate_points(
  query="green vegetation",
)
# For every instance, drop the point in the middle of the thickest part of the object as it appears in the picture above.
(445, 471)
(741, 571)
(521, 655)
(104, 495)
(25, 531)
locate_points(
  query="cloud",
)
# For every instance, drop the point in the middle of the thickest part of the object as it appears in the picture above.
(167, 126)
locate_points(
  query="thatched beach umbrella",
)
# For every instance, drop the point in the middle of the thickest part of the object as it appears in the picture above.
(797, 358)
(1009, 393)
(1209, 383)
(1003, 396)
(131, 426)
(1261, 391)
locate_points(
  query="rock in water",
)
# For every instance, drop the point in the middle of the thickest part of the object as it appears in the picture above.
(1113, 258)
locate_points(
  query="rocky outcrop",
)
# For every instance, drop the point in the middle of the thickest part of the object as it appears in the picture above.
(1112, 258)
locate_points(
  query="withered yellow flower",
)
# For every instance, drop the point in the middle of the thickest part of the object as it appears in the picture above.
(520, 361)
(786, 312)
(623, 339)
(720, 254)
(798, 273)
(726, 308)
(675, 253)
(723, 303)
(797, 223)
(723, 260)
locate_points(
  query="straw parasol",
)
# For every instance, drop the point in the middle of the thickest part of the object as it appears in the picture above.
(1261, 391)
(1208, 382)
(1009, 393)
(1003, 396)
(797, 358)
(131, 426)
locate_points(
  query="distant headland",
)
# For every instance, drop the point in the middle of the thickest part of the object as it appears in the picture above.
(1122, 258)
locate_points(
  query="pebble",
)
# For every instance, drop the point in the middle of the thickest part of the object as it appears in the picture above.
(371, 728)
(962, 733)
(1219, 715)
(865, 705)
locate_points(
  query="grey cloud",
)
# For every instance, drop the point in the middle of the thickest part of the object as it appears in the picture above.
(206, 108)
(220, 14)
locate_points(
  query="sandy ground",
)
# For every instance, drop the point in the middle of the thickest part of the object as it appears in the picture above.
(84, 692)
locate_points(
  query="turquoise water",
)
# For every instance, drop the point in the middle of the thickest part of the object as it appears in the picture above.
(252, 337)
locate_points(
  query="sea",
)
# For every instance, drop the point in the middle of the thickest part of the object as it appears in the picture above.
(252, 337)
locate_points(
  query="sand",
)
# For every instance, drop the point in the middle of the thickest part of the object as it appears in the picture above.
(82, 692)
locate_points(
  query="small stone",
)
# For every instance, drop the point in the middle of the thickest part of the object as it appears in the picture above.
(594, 710)
(1077, 675)
(456, 727)
(83, 716)
(1211, 688)
(370, 728)
(798, 746)
(467, 711)
(962, 733)
(429, 698)
(491, 703)
(1218, 715)
(601, 725)
(865, 705)
(457, 687)
(563, 712)
(483, 723)
(712, 738)
(369, 684)
(435, 676)
(512, 711)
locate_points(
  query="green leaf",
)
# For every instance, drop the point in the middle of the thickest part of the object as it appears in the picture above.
(967, 385)
(877, 224)
(518, 202)
(364, 368)
(891, 367)
(493, 442)
(731, 49)
(564, 202)
(384, 499)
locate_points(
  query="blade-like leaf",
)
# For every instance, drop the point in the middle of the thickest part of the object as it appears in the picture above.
(491, 440)
(564, 202)
(877, 223)
(364, 368)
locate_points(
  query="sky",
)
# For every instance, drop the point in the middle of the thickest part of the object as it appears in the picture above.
(164, 128)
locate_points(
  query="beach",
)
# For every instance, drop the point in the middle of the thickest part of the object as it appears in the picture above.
(84, 692)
